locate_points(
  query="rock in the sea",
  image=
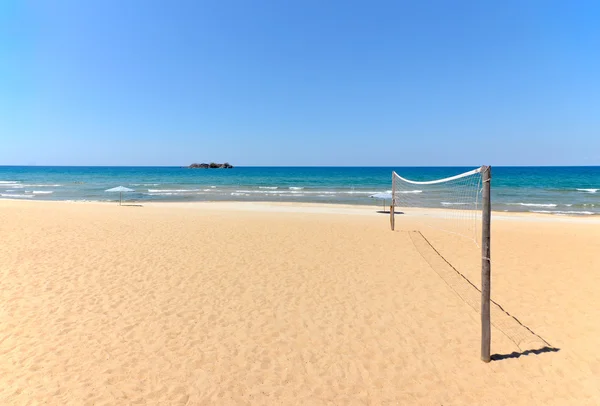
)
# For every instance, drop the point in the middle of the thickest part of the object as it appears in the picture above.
(211, 165)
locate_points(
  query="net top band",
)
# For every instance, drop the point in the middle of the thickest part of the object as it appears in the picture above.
(433, 182)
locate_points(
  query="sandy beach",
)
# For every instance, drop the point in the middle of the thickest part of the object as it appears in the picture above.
(243, 303)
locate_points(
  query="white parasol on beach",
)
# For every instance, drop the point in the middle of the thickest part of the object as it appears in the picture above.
(120, 189)
(383, 196)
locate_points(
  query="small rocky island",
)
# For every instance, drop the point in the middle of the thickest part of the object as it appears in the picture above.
(226, 165)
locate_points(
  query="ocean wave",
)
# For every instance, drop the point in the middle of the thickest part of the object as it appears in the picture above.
(172, 190)
(280, 192)
(563, 212)
(144, 184)
(268, 187)
(454, 204)
(9, 182)
(239, 194)
(161, 194)
(589, 190)
(262, 192)
(17, 196)
(295, 188)
(408, 191)
(533, 204)
(27, 185)
(42, 192)
(580, 205)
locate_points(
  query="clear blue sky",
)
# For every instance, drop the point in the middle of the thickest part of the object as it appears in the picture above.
(306, 82)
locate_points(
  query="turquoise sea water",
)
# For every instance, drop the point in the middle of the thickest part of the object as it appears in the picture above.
(557, 190)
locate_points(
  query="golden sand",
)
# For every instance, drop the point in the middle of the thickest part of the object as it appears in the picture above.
(231, 303)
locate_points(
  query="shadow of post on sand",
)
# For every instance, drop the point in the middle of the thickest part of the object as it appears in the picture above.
(500, 357)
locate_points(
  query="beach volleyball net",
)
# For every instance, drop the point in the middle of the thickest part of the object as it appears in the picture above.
(452, 204)
(458, 206)
(449, 223)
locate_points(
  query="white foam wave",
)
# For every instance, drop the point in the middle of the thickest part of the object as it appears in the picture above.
(262, 192)
(408, 191)
(589, 190)
(533, 204)
(144, 184)
(172, 190)
(41, 185)
(279, 192)
(562, 212)
(295, 188)
(213, 187)
(9, 182)
(239, 194)
(161, 194)
(268, 187)
(454, 204)
(298, 191)
(17, 196)
(42, 192)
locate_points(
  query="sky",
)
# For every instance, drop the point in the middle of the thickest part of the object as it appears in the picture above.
(304, 82)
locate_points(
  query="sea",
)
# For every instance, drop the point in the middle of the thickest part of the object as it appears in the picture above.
(552, 190)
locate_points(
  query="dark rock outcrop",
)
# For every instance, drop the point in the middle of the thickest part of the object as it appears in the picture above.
(211, 165)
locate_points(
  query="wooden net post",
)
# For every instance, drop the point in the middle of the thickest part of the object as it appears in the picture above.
(392, 206)
(486, 333)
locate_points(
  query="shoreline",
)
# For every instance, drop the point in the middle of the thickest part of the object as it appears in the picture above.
(320, 208)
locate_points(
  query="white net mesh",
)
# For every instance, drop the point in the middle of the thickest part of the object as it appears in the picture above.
(451, 204)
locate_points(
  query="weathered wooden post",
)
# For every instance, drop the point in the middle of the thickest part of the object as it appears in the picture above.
(486, 333)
